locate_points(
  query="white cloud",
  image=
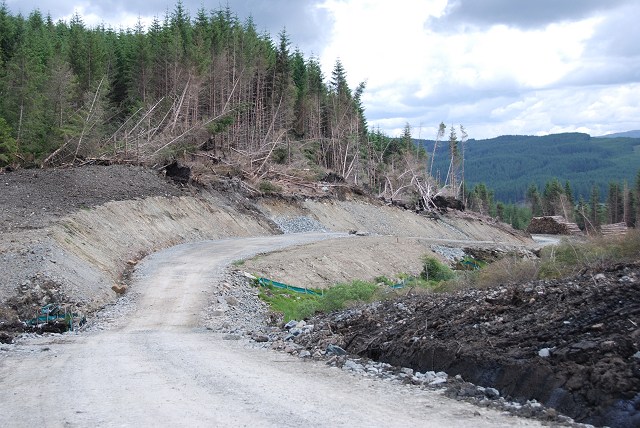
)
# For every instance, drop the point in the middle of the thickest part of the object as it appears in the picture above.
(495, 78)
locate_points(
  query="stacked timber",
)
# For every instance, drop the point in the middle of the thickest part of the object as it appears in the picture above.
(614, 229)
(553, 225)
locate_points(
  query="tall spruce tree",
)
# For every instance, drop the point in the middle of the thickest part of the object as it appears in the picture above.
(534, 200)
(594, 203)
(615, 203)
(637, 199)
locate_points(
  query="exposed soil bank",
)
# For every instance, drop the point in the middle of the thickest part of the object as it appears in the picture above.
(70, 234)
(572, 345)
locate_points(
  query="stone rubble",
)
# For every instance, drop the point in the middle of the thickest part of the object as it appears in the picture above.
(299, 224)
(250, 319)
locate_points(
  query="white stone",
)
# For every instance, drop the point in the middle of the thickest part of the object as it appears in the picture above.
(544, 352)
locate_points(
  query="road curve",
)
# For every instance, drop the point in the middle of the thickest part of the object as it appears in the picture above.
(161, 369)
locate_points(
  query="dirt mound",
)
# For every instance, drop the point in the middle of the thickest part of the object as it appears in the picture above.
(34, 198)
(570, 344)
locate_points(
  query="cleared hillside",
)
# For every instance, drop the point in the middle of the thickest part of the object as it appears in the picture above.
(97, 222)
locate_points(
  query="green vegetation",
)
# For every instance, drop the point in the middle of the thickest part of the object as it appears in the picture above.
(555, 262)
(200, 83)
(509, 270)
(299, 306)
(557, 199)
(436, 271)
(268, 187)
(8, 146)
(567, 258)
(509, 164)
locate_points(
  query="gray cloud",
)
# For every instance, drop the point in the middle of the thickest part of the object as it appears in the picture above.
(618, 34)
(525, 14)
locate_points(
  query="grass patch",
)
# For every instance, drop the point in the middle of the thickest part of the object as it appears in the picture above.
(341, 296)
(568, 258)
(299, 306)
(559, 261)
(238, 262)
(268, 187)
(291, 305)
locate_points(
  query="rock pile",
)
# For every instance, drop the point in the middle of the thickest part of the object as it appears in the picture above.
(299, 224)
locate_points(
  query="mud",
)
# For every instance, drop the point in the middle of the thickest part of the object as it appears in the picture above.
(571, 345)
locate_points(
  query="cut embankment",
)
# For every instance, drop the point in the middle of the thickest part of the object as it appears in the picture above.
(77, 259)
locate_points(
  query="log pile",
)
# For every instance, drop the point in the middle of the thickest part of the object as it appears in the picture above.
(614, 229)
(553, 225)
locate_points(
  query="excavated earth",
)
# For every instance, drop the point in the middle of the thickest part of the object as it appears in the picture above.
(69, 235)
(571, 345)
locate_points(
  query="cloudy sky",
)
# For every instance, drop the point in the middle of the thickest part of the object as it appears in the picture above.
(498, 67)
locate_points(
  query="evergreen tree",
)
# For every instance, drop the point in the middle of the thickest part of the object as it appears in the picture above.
(500, 212)
(615, 203)
(8, 146)
(534, 200)
(633, 209)
(582, 214)
(301, 81)
(481, 200)
(454, 152)
(339, 83)
(569, 193)
(637, 199)
(552, 198)
(407, 139)
(594, 220)
(75, 91)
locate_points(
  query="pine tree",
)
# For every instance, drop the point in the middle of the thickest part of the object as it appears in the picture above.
(627, 196)
(534, 200)
(615, 203)
(569, 193)
(8, 146)
(481, 200)
(582, 214)
(637, 199)
(454, 152)
(594, 202)
(553, 198)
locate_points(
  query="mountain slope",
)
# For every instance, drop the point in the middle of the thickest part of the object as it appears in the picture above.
(510, 163)
(626, 134)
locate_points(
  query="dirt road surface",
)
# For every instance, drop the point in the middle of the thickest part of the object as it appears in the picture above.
(160, 368)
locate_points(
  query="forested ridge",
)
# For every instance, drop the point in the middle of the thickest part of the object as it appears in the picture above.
(183, 77)
(509, 164)
(209, 90)
(206, 85)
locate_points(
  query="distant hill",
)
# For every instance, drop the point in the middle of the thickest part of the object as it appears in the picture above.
(627, 134)
(508, 164)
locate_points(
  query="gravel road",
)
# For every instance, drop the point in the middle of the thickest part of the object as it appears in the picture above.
(159, 367)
